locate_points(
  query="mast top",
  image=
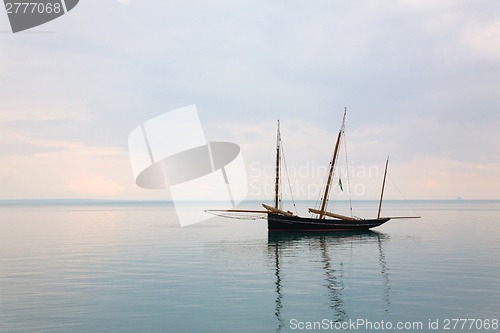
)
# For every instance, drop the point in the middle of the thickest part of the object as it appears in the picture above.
(343, 120)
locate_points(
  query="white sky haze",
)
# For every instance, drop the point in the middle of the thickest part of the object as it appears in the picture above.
(420, 79)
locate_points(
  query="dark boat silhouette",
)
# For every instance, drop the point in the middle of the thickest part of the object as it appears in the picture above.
(322, 220)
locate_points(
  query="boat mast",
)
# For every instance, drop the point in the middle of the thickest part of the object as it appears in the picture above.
(383, 187)
(276, 185)
(332, 167)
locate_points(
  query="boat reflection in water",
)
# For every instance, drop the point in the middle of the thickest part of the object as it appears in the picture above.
(285, 249)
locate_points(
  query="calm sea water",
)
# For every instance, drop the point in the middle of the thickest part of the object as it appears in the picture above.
(128, 267)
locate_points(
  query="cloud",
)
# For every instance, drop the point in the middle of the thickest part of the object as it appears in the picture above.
(65, 169)
(441, 177)
(95, 186)
(26, 111)
(483, 40)
(419, 78)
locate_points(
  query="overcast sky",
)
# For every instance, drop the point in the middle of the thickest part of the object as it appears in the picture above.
(420, 79)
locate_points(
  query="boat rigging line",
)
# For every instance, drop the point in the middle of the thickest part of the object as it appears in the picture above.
(287, 176)
(348, 178)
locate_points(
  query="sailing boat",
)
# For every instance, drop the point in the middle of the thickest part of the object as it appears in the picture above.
(322, 219)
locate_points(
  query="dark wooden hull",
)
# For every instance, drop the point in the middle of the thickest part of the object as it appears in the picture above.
(278, 222)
